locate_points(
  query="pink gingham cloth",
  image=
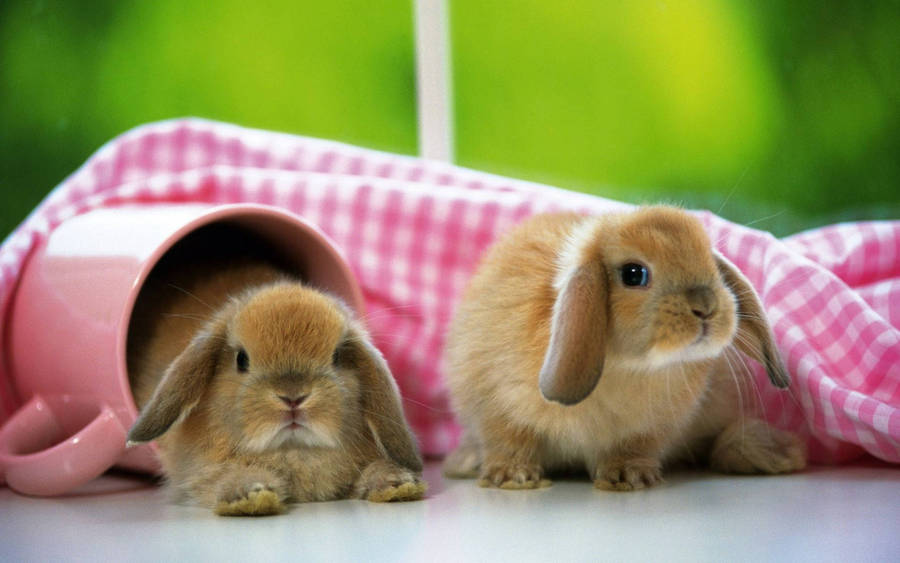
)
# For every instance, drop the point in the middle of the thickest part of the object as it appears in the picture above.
(413, 231)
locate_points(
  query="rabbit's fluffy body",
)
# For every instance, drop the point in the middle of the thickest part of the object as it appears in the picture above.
(547, 312)
(262, 392)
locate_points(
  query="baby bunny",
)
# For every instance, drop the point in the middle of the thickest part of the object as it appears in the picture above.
(276, 395)
(609, 344)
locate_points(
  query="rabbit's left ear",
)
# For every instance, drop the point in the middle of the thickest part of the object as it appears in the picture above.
(380, 399)
(755, 336)
(575, 354)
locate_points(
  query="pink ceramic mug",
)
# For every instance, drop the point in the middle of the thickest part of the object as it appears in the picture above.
(67, 331)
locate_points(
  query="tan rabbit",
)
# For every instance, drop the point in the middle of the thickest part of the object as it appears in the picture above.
(263, 392)
(608, 344)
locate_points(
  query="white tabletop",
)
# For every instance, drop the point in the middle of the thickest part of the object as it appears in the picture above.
(824, 514)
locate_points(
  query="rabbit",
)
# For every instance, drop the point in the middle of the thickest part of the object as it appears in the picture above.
(607, 344)
(261, 392)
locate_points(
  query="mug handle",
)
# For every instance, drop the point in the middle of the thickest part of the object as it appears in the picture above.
(39, 457)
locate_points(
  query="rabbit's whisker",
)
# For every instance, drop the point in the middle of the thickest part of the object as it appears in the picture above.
(191, 295)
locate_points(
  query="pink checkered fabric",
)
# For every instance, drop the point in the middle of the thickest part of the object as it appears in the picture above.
(413, 231)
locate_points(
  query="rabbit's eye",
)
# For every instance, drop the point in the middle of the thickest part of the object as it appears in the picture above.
(635, 275)
(242, 361)
(341, 356)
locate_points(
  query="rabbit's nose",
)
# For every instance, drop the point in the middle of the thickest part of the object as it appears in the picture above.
(292, 402)
(702, 301)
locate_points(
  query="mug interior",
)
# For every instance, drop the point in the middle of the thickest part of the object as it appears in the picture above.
(225, 238)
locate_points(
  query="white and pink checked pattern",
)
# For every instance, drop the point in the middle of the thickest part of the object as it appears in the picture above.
(413, 231)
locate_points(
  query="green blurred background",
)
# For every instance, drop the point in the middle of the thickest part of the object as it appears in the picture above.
(783, 114)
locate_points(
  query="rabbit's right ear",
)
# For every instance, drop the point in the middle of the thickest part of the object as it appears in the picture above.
(574, 360)
(755, 336)
(181, 387)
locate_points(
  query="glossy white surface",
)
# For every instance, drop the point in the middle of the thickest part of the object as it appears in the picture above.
(824, 514)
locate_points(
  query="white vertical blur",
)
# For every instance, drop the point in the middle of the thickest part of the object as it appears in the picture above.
(435, 108)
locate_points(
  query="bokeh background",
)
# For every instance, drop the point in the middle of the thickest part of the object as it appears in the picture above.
(782, 114)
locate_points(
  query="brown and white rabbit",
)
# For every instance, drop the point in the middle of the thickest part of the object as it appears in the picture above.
(609, 343)
(262, 392)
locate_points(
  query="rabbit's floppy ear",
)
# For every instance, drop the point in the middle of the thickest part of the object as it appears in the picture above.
(574, 359)
(181, 386)
(755, 336)
(380, 399)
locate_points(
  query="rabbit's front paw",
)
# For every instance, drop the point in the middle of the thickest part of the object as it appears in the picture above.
(384, 481)
(510, 475)
(628, 474)
(248, 499)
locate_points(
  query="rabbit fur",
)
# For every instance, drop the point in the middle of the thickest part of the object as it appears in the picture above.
(555, 364)
(262, 392)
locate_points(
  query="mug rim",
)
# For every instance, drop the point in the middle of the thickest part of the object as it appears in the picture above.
(215, 213)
